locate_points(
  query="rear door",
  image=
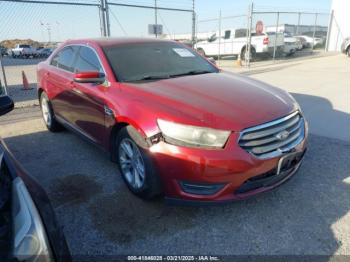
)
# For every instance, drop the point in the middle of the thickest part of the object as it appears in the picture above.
(59, 79)
(88, 111)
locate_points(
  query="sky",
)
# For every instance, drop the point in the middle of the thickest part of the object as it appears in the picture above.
(56, 22)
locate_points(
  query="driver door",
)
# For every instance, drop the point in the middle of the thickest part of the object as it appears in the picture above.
(88, 112)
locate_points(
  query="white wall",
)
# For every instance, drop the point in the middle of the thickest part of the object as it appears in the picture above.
(340, 27)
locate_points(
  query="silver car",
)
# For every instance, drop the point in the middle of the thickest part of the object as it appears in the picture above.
(345, 47)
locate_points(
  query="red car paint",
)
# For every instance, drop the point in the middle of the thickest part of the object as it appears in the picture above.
(222, 101)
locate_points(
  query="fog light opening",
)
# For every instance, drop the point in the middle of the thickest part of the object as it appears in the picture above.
(200, 189)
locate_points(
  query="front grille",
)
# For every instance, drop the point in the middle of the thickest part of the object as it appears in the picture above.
(273, 138)
(271, 177)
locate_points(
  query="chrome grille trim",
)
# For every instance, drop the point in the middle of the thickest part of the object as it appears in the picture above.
(262, 141)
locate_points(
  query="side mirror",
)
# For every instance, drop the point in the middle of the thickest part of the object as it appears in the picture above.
(212, 60)
(6, 105)
(212, 38)
(89, 77)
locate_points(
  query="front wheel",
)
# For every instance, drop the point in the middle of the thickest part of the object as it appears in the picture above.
(48, 114)
(136, 165)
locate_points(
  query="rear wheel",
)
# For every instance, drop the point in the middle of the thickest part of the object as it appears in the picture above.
(245, 54)
(348, 51)
(136, 165)
(48, 114)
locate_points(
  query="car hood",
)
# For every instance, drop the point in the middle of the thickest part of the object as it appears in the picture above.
(218, 100)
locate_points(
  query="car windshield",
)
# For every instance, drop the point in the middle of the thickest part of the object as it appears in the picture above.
(154, 61)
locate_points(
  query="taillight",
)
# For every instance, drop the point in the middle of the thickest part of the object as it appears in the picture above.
(266, 41)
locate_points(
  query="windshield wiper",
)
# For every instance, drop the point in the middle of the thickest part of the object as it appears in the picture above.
(150, 77)
(193, 72)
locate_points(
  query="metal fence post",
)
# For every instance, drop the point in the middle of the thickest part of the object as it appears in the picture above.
(3, 73)
(219, 36)
(330, 24)
(337, 41)
(108, 25)
(193, 24)
(313, 35)
(276, 32)
(299, 17)
(156, 18)
(102, 18)
(196, 25)
(249, 34)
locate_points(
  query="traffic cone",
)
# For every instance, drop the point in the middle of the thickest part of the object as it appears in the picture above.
(26, 85)
(239, 61)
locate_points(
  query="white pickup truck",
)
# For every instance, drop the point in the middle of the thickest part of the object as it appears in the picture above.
(234, 42)
(22, 50)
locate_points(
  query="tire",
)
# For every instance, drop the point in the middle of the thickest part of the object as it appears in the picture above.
(201, 51)
(136, 165)
(244, 53)
(348, 51)
(48, 114)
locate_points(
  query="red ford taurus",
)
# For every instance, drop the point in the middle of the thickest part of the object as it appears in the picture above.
(174, 123)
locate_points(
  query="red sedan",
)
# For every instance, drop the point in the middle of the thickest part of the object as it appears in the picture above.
(174, 123)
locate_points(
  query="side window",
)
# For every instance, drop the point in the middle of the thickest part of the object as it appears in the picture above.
(240, 33)
(64, 59)
(54, 60)
(227, 34)
(87, 60)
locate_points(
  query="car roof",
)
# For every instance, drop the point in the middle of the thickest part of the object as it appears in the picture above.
(113, 41)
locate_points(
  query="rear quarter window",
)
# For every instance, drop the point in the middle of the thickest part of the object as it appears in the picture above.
(64, 59)
(87, 60)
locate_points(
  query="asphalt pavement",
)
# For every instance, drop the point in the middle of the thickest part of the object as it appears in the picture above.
(309, 215)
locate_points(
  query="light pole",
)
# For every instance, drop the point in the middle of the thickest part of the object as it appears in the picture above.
(48, 32)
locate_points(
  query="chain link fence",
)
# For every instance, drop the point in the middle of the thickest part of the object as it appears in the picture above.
(258, 34)
(31, 29)
(262, 34)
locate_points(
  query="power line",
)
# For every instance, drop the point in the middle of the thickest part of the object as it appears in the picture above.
(120, 25)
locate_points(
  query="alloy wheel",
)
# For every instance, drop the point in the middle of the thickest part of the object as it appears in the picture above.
(45, 109)
(131, 163)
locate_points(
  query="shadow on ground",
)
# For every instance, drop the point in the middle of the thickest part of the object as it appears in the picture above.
(19, 94)
(306, 216)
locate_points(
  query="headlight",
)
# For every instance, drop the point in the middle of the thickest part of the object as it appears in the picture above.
(185, 135)
(30, 240)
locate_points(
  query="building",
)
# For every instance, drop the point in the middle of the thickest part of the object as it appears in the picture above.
(320, 31)
(339, 24)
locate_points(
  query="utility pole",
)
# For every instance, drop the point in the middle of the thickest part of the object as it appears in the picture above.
(156, 18)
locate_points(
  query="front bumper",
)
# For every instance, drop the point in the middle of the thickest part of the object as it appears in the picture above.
(231, 167)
